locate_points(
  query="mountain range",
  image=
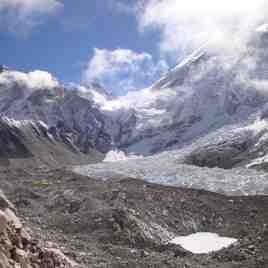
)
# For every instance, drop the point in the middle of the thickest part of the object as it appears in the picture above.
(204, 93)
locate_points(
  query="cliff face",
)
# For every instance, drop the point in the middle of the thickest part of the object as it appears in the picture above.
(33, 144)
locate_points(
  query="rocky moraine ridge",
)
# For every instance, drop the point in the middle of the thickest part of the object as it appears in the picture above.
(125, 222)
(19, 249)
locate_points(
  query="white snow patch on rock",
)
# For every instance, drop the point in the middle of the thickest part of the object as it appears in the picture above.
(202, 243)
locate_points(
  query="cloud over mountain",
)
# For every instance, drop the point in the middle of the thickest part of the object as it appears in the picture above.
(122, 69)
(32, 80)
(20, 16)
(184, 25)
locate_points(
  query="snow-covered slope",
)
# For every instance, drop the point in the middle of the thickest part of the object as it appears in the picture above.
(211, 112)
(206, 91)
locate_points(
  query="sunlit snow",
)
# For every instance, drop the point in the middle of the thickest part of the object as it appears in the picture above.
(116, 155)
(142, 99)
(262, 28)
(201, 243)
(168, 168)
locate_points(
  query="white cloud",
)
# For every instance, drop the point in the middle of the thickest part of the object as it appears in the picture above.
(122, 69)
(32, 80)
(188, 24)
(121, 6)
(20, 16)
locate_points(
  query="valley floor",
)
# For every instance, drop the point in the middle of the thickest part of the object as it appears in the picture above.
(126, 222)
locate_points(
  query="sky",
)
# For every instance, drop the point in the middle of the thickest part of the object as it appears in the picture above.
(63, 41)
(123, 44)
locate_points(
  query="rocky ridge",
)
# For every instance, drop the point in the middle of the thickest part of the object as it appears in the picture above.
(27, 144)
(19, 249)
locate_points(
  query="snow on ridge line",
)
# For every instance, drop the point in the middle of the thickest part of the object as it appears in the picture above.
(203, 243)
(21, 123)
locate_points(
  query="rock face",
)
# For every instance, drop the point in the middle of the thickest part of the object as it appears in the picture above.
(73, 111)
(226, 154)
(246, 146)
(30, 144)
(18, 249)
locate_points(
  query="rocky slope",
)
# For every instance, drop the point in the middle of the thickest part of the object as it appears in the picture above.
(129, 223)
(26, 144)
(38, 96)
(19, 249)
(241, 147)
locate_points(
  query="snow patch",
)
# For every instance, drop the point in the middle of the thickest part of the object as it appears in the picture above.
(202, 243)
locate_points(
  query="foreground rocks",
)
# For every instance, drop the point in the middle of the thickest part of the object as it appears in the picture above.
(18, 249)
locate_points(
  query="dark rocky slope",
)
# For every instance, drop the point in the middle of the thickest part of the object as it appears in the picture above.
(33, 144)
(128, 222)
(246, 147)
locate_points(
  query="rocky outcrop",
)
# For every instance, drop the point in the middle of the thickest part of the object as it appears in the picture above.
(243, 147)
(18, 249)
(223, 155)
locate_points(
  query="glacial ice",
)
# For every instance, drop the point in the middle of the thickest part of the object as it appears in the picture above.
(116, 155)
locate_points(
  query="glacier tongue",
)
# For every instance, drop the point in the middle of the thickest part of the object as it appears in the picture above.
(167, 169)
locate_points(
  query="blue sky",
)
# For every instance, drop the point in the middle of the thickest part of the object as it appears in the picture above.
(124, 44)
(64, 42)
